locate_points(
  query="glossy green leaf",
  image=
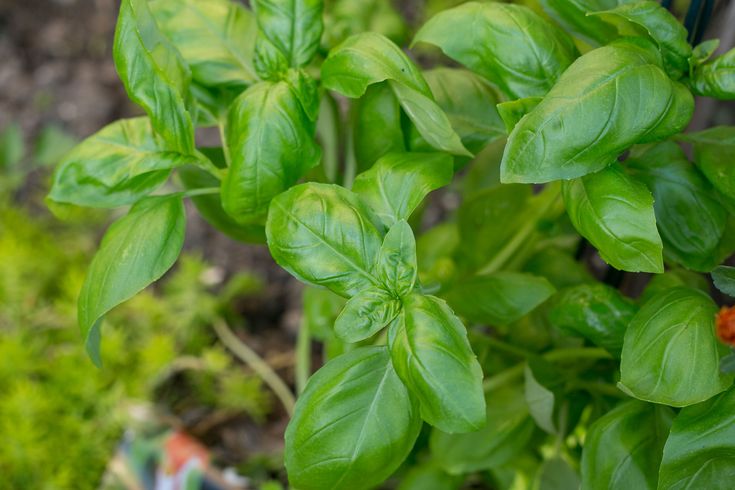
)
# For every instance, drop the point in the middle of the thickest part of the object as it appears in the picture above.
(398, 182)
(432, 356)
(541, 51)
(700, 451)
(325, 235)
(288, 34)
(623, 448)
(663, 28)
(469, 102)
(703, 51)
(724, 278)
(368, 58)
(353, 426)
(572, 15)
(614, 211)
(715, 77)
(397, 267)
(540, 401)
(216, 38)
(500, 298)
(271, 145)
(118, 165)
(136, 250)
(365, 314)
(344, 18)
(154, 74)
(210, 207)
(376, 125)
(607, 100)
(597, 312)
(672, 278)
(670, 353)
(512, 111)
(713, 150)
(507, 430)
(689, 217)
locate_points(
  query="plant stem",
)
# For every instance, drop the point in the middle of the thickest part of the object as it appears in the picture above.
(256, 363)
(510, 374)
(202, 191)
(303, 357)
(206, 164)
(509, 348)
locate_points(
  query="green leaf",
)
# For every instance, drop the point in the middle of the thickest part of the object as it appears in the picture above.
(368, 58)
(210, 207)
(325, 235)
(12, 147)
(271, 146)
(607, 100)
(365, 314)
(670, 353)
(500, 298)
(540, 401)
(507, 430)
(724, 278)
(429, 476)
(714, 78)
(432, 356)
(434, 250)
(398, 182)
(615, 213)
(469, 102)
(556, 474)
(397, 267)
(673, 278)
(699, 450)
(376, 125)
(353, 426)
(541, 52)
(305, 89)
(216, 38)
(288, 34)
(344, 18)
(623, 448)
(690, 219)
(512, 111)
(597, 312)
(662, 27)
(154, 75)
(559, 267)
(703, 51)
(713, 150)
(118, 165)
(136, 251)
(572, 15)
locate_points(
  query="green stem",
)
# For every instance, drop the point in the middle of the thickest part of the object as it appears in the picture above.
(206, 164)
(201, 192)
(509, 348)
(303, 357)
(256, 363)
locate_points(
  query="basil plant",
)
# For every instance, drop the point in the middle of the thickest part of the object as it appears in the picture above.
(490, 336)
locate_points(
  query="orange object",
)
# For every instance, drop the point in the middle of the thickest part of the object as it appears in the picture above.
(181, 449)
(726, 325)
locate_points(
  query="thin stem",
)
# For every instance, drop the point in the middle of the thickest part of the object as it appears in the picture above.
(206, 164)
(303, 357)
(256, 363)
(509, 348)
(201, 192)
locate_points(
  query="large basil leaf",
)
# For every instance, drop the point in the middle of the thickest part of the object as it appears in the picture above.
(118, 165)
(715, 78)
(572, 15)
(541, 51)
(210, 207)
(661, 26)
(469, 101)
(136, 250)
(365, 314)
(713, 153)
(500, 298)
(670, 353)
(353, 425)
(397, 267)
(700, 451)
(623, 448)
(216, 38)
(368, 58)
(432, 356)
(325, 235)
(271, 145)
(288, 34)
(154, 75)
(398, 182)
(690, 219)
(607, 100)
(597, 312)
(615, 213)
(508, 429)
(376, 125)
